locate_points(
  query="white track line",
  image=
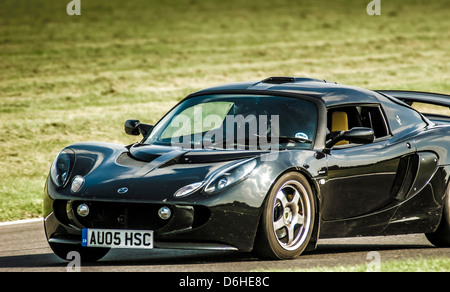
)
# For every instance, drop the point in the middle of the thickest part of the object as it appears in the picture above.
(21, 221)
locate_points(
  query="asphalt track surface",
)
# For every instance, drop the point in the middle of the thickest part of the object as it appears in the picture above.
(23, 247)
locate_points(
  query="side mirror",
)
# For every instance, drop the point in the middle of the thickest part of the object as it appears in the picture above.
(134, 128)
(357, 135)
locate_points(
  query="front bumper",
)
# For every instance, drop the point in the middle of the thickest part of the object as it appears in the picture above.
(227, 226)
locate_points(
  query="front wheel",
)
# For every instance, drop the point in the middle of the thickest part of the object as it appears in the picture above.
(287, 220)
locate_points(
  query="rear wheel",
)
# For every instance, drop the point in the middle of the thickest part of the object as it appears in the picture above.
(287, 220)
(441, 237)
(87, 254)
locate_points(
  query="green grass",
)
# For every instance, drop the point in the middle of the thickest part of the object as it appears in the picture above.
(405, 265)
(66, 79)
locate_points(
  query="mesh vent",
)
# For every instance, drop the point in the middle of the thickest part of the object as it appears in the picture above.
(126, 160)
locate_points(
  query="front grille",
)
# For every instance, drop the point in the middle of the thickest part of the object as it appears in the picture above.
(121, 215)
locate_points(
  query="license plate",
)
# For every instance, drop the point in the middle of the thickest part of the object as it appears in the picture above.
(117, 238)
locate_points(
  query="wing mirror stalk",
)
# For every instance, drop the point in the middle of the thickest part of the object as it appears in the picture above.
(357, 135)
(134, 128)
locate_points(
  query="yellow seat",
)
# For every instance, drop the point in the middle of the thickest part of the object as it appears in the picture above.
(339, 122)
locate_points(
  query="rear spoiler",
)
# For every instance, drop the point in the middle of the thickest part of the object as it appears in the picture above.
(415, 96)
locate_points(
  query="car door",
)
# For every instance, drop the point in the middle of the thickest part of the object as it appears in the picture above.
(364, 179)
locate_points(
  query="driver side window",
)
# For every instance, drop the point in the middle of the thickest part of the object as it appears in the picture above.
(348, 117)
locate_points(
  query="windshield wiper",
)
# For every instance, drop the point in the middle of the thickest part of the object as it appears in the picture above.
(224, 143)
(269, 140)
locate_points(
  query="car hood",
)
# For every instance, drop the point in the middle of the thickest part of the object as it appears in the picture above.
(149, 172)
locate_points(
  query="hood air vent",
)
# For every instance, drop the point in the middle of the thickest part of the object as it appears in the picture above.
(279, 80)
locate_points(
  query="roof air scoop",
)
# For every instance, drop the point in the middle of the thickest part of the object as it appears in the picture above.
(279, 80)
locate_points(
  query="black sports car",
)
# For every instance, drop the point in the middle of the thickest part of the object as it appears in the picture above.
(269, 167)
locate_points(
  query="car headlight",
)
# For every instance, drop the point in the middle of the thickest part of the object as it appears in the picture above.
(60, 170)
(230, 176)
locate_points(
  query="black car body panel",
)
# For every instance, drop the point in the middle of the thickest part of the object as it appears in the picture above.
(394, 185)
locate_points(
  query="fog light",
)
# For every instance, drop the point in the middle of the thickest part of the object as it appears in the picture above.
(83, 210)
(164, 213)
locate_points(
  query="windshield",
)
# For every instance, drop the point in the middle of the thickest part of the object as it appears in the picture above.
(243, 122)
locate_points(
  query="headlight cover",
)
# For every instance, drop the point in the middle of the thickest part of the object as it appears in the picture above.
(230, 176)
(60, 169)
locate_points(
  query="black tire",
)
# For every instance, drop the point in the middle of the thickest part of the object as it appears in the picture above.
(441, 237)
(287, 220)
(87, 254)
